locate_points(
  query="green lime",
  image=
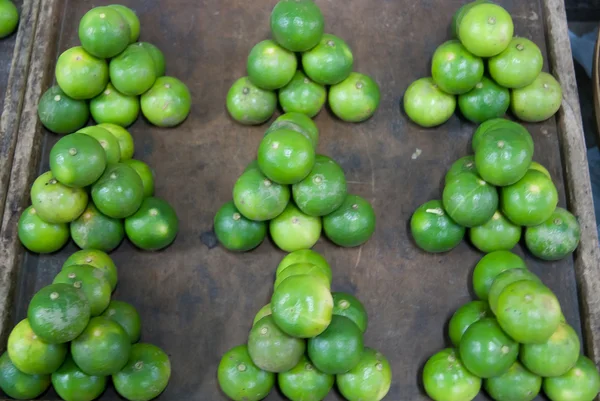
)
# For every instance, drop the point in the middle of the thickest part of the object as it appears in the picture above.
(339, 348)
(273, 350)
(517, 384)
(145, 375)
(352, 224)
(301, 95)
(497, 234)
(111, 106)
(486, 350)
(302, 306)
(157, 56)
(304, 382)
(72, 384)
(464, 317)
(485, 101)
(55, 202)
(58, 313)
(41, 237)
(235, 232)
(19, 385)
(104, 32)
(518, 65)
(370, 379)
(167, 103)
(556, 237)
(329, 62)
(145, 173)
(489, 267)
(502, 280)
(304, 256)
(132, 72)
(486, 29)
(248, 104)
(528, 311)
(91, 281)
(531, 200)
(297, 25)
(555, 357)
(264, 311)
(270, 66)
(240, 379)
(127, 316)
(102, 349)
(581, 383)
(293, 230)
(469, 200)
(496, 124)
(445, 378)
(355, 99)
(297, 122)
(460, 13)
(349, 306)
(119, 192)
(30, 354)
(77, 160)
(433, 230)
(9, 19)
(302, 268)
(61, 114)
(537, 166)
(81, 75)
(132, 20)
(286, 156)
(465, 164)
(537, 101)
(96, 231)
(426, 104)
(124, 137)
(258, 198)
(154, 226)
(454, 69)
(109, 143)
(99, 260)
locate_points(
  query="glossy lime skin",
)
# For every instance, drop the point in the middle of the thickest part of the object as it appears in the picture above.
(127, 316)
(581, 383)
(145, 173)
(490, 266)
(248, 104)
(55, 202)
(240, 379)
(485, 29)
(454, 69)
(460, 13)
(9, 18)
(119, 192)
(263, 312)
(297, 122)
(355, 99)
(426, 104)
(104, 32)
(555, 357)
(370, 379)
(301, 95)
(469, 200)
(61, 114)
(81, 75)
(352, 224)
(445, 378)
(77, 160)
(517, 384)
(91, 281)
(531, 200)
(154, 226)
(235, 232)
(124, 138)
(157, 55)
(96, 231)
(113, 107)
(297, 25)
(329, 62)
(270, 66)
(485, 101)
(39, 236)
(273, 350)
(518, 65)
(133, 72)
(19, 385)
(258, 198)
(109, 143)
(464, 317)
(132, 20)
(496, 124)
(293, 230)
(555, 238)
(433, 230)
(537, 166)
(502, 280)
(537, 101)
(72, 384)
(304, 382)
(304, 256)
(497, 234)
(349, 306)
(465, 164)
(167, 103)
(302, 269)
(95, 258)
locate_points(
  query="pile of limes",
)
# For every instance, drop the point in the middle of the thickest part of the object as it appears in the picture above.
(133, 78)
(515, 338)
(75, 337)
(9, 18)
(325, 60)
(484, 31)
(310, 338)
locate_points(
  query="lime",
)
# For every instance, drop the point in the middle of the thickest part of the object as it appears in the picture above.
(109, 143)
(301, 95)
(370, 379)
(433, 230)
(465, 164)
(157, 56)
(253, 165)
(469, 200)
(460, 13)
(349, 306)
(145, 173)
(81, 75)
(273, 350)
(258, 198)
(91, 281)
(485, 101)
(293, 230)
(496, 124)
(127, 316)
(556, 237)
(17, 384)
(104, 32)
(304, 256)
(132, 20)
(97, 259)
(9, 19)
(132, 72)
(304, 382)
(61, 114)
(235, 232)
(286, 156)
(339, 348)
(502, 280)
(302, 268)
(96, 231)
(102, 349)
(248, 104)
(41, 237)
(497, 234)
(119, 192)
(517, 384)
(302, 306)
(30, 354)
(464, 317)
(445, 378)
(240, 379)
(537, 101)
(72, 384)
(297, 25)
(581, 383)
(352, 224)
(486, 350)
(264, 311)
(518, 65)
(145, 375)
(531, 200)
(58, 313)
(154, 226)
(486, 29)
(270, 66)
(124, 137)
(355, 99)
(329, 62)
(111, 106)
(426, 104)
(77, 160)
(528, 311)
(55, 202)
(167, 103)
(454, 69)
(537, 166)
(555, 357)
(490, 266)
(297, 122)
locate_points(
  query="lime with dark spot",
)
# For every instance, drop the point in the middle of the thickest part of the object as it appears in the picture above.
(248, 104)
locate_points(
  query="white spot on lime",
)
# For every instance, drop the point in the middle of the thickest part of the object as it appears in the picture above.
(245, 91)
(153, 212)
(492, 20)
(344, 304)
(241, 367)
(72, 151)
(107, 92)
(54, 296)
(138, 365)
(57, 98)
(113, 176)
(275, 145)
(167, 86)
(379, 367)
(359, 85)
(306, 80)
(97, 333)
(295, 220)
(267, 183)
(520, 47)
(330, 43)
(505, 349)
(237, 216)
(102, 15)
(355, 206)
(89, 259)
(77, 284)
(479, 85)
(71, 275)
(264, 331)
(308, 366)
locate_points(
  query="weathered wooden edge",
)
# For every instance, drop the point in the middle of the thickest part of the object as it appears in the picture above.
(596, 85)
(577, 176)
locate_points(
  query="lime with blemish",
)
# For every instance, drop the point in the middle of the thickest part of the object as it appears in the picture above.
(109, 143)
(104, 32)
(235, 232)
(132, 20)
(293, 230)
(55, 202)
(270, 66)
(445, 378)
(465, 164)
(304, 256)
(77, 160)
(502, 280)
(154, 226)
(302, 95)
(304, 382)
(454, 69)
(91, 281)
(19, 385)
(297, 25)
(72, 384)
(352, 224)
(240, 379)
(285, 156)
(485, 29)
(95, 258)
(555, 238)
(132, 72)
(61, 114)
(469, 200)
(248, 104)
(487, 100)
(81, 75)
(355, 99)
(537, 101)
(273, 350)
(497, 234)
(464, 317)
(433, 230)
(258, 198)
(297, 122)
(556, 356)
(38, 236)
(426, 104)
(145, 173)
(329, 62)
(518, 65)
(517, 384)
(490, 266)
(349, 306)
(119, 192)
(531, 200)
(127, 316)
(581, 383)
(93, 230)
(125, 139)
(111, 106)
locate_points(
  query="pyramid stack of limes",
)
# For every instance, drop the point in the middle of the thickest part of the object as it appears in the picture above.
(112, 76)
(75, 337)
(484, 36)
(306, 339)
(9, 18)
